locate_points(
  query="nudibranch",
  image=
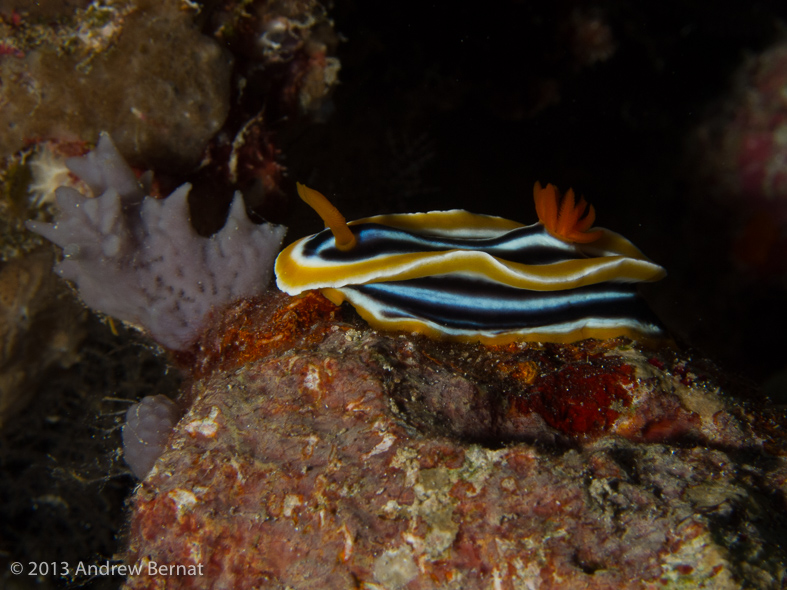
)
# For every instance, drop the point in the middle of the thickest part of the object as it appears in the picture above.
(469, 277)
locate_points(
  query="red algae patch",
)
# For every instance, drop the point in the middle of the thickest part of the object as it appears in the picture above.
(579, 399)
(253, 329)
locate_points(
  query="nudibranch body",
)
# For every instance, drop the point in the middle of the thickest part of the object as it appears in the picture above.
(463, 276)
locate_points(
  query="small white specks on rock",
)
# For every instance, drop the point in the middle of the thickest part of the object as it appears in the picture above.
(395, 569)
(508, 484)
(349, 544)
(312, 380)
(391, 508)
(184, 500)
(406, 459)
(385, 444)
(206, 427)
(291, 502)
(497, 579)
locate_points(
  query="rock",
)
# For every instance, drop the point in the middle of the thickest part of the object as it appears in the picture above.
(321, 454)
(140, 70)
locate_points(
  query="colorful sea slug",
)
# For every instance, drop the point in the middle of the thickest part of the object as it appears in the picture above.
(463, 276)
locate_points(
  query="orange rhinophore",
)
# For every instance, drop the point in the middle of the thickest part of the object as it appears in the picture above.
(333, 219)
(562, 218)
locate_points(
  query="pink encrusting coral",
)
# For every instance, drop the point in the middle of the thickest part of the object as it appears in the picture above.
(138, 259)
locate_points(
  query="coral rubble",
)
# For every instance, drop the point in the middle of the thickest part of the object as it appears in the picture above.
(138, 259)
(339, 457)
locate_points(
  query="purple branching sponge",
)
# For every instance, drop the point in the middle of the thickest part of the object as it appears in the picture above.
(138, 259)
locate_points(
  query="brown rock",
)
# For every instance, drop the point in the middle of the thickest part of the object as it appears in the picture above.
(139, 70)
(349, 458)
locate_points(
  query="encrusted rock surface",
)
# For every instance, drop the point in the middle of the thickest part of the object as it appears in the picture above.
(320, 454)
(140, 70)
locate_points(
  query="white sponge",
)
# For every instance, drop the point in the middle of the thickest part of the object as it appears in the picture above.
(146, 432)
(138, 259)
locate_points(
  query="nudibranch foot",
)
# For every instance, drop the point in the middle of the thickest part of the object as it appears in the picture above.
(471, 309)
(462, 276)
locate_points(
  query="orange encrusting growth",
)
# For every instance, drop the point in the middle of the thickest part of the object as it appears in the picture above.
(334, 221)
(562, 218)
